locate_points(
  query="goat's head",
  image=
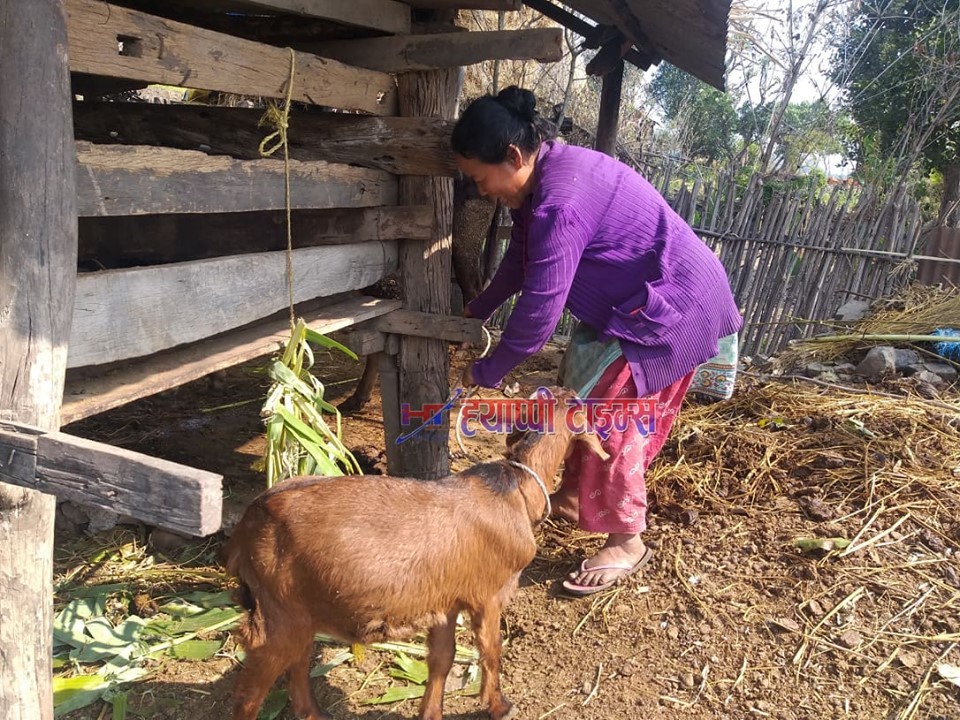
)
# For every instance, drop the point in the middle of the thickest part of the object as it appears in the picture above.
(569, 426)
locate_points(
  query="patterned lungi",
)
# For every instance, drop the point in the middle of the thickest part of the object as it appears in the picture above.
(613, 493)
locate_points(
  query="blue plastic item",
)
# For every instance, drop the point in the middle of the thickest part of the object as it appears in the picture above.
(948, 350)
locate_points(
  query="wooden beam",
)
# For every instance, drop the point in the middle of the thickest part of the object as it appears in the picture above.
(173, 53)
(91, 391)
(154, 491)
(108, 243)
(609, 117)
(425, 268)
(428, 325)
(293, 31)
(362, 340)
(137, 180)
(465, 4)
(38, 247)
(390, 405)
(582, 28)
(403, 146)
(121, 314)
(387, 15)
(447, 50)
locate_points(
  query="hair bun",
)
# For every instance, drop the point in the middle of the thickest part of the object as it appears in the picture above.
(522, 103)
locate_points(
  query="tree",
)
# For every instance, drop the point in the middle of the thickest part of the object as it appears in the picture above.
(900, 69)
(704, 119)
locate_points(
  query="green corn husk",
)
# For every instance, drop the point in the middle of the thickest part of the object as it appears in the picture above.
(299, 439)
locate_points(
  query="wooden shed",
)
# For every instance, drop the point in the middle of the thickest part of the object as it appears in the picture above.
(143, 246)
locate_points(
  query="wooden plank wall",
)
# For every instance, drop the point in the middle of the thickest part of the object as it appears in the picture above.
(186, 184)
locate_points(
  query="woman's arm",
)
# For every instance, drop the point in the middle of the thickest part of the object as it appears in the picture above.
(506, 281)
(556, 241)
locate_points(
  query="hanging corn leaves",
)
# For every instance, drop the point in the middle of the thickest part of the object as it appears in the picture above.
(299, 439)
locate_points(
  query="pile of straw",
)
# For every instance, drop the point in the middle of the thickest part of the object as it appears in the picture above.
(917, 310)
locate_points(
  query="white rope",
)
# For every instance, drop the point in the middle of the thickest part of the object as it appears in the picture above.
(470, 391)
(540, 483)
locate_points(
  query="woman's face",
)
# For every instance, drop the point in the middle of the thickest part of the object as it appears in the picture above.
(508, 181)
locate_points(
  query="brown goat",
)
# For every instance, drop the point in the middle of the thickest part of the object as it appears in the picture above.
(366, 559)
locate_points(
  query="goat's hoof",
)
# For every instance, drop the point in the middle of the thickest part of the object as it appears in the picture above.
(350, 406)
(503, 710)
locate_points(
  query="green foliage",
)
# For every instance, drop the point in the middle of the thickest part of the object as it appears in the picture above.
(95, 654)
(704, 118)
(299, 440)
(899, 66)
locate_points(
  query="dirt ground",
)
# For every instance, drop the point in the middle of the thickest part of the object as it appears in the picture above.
(730, 619)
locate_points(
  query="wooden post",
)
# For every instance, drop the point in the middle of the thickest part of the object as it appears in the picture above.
(38, 270)
(609, 111)
(425, 283)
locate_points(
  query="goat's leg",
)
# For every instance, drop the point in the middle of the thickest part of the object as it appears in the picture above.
(261, 668)
(486, 628)
(362, 394)
(298, 685)
(441, 644)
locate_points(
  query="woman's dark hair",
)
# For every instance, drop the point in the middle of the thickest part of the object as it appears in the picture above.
(491, 124)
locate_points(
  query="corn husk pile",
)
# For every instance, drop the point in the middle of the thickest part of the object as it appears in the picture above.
(917, 310)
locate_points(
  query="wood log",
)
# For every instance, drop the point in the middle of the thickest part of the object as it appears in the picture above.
(609, 120)
(90, 391)
(293, 31)
(38, 244)
(173, 53)
(126, 180)
(586, 30)
(386, 15)
(402, 146)
(154, 491)
(446, 50)
(362, 340)
(108, 243)
(425, 269)
(427, 325)
(465, 4)
(122, 314)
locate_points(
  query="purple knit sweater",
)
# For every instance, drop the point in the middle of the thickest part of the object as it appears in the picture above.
(596, 237)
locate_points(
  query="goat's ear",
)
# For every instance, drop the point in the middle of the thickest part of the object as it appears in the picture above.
(593, 442)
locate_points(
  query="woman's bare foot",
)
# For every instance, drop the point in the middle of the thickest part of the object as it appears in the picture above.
(620, 556)
(565, 503)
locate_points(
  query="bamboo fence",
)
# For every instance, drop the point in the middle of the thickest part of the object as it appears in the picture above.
(793, 256)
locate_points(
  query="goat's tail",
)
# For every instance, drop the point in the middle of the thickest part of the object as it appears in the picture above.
(236, 559)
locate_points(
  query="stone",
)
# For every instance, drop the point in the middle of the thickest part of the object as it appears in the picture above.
(829, 376)
(74, 517)
(168, 542)
(945, 371)
(673, 632)
(879, 361)
(815, 368)
(852, 310)
(785, 624)
(850, 639)
(904, 360)
(688, 681)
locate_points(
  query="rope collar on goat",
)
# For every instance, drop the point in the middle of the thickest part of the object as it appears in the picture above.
(540, 484)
